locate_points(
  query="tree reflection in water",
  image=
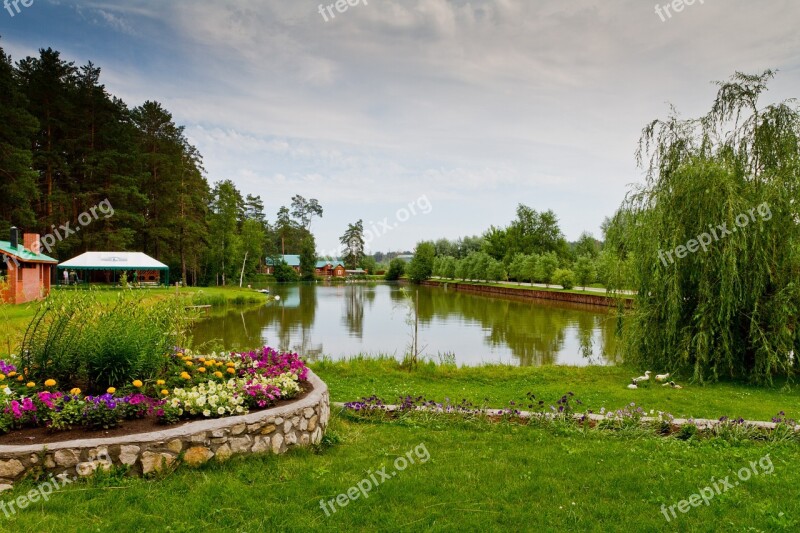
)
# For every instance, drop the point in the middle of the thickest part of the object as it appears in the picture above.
(349, 319)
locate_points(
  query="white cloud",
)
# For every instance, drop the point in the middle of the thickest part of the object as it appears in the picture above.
(480, 101)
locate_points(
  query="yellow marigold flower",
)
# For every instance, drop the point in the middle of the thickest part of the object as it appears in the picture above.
(30, 384)
(111, 390)
(202, 359)
(186, 375)
(219, 364)
(12, 374)
(218, 374)
(2, 377)
(160, 382)
(137, 383)
(19, 378)
(75, 391)
(230, 363)
(165, 392)
(189, 363)
(201, 369)
(231, 370)
(50, 383)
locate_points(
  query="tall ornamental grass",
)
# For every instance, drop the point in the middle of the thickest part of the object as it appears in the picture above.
(75, 337)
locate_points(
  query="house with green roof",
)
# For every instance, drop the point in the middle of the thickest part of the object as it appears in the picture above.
(26, 270)
(324, 267)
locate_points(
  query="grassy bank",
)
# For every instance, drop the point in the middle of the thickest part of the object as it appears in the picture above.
(478, 477)
(16, 317)
(596, 387)
(515, 286)
(469, 475)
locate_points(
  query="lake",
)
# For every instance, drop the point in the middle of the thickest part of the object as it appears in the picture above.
(343, 320)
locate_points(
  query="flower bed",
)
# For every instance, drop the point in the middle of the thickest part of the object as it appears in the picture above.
(185, 388)
(301, 422)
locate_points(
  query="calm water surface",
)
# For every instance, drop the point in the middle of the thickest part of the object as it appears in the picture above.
(345, 320)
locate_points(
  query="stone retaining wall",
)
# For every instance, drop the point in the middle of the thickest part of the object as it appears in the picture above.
(588, 299)
(300, 423)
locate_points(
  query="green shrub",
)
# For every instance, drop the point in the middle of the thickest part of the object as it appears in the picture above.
(397, 268)
(565, 278)
(285, 274)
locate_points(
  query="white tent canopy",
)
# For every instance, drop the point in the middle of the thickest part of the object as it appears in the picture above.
(113, 261)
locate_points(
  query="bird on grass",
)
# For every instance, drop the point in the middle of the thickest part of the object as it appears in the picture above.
(632, 385)
(662, 377)
(672, 384)
(646, 377)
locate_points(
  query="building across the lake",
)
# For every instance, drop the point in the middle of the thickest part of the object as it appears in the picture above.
(325, 268)
(107, 267)
(27, 271)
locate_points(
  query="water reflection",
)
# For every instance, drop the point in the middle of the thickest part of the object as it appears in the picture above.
(342, 320)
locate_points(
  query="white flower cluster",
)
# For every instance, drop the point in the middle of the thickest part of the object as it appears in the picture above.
(209, 399)
(214, 399)
(287, 382)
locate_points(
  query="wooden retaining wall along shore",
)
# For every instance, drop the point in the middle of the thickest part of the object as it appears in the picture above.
(587, 299)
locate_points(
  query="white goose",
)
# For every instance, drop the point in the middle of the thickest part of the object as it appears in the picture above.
(646, 377)
(632, 385)
(662, 377)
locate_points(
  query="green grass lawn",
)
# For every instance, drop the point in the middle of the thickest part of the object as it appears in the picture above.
(477, 477)
(596, 387)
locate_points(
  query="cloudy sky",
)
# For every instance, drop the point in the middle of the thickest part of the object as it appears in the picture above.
(472, 106)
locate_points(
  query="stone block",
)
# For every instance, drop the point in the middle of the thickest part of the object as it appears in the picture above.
(277, 443)
(128, 455)
(197, 455)
(155, 462)
(11, 469)
(66, 458)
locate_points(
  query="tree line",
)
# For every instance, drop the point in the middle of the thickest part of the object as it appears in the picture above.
(67, 144)
(531, 249)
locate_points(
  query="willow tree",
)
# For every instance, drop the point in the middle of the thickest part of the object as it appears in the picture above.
(714, 238)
